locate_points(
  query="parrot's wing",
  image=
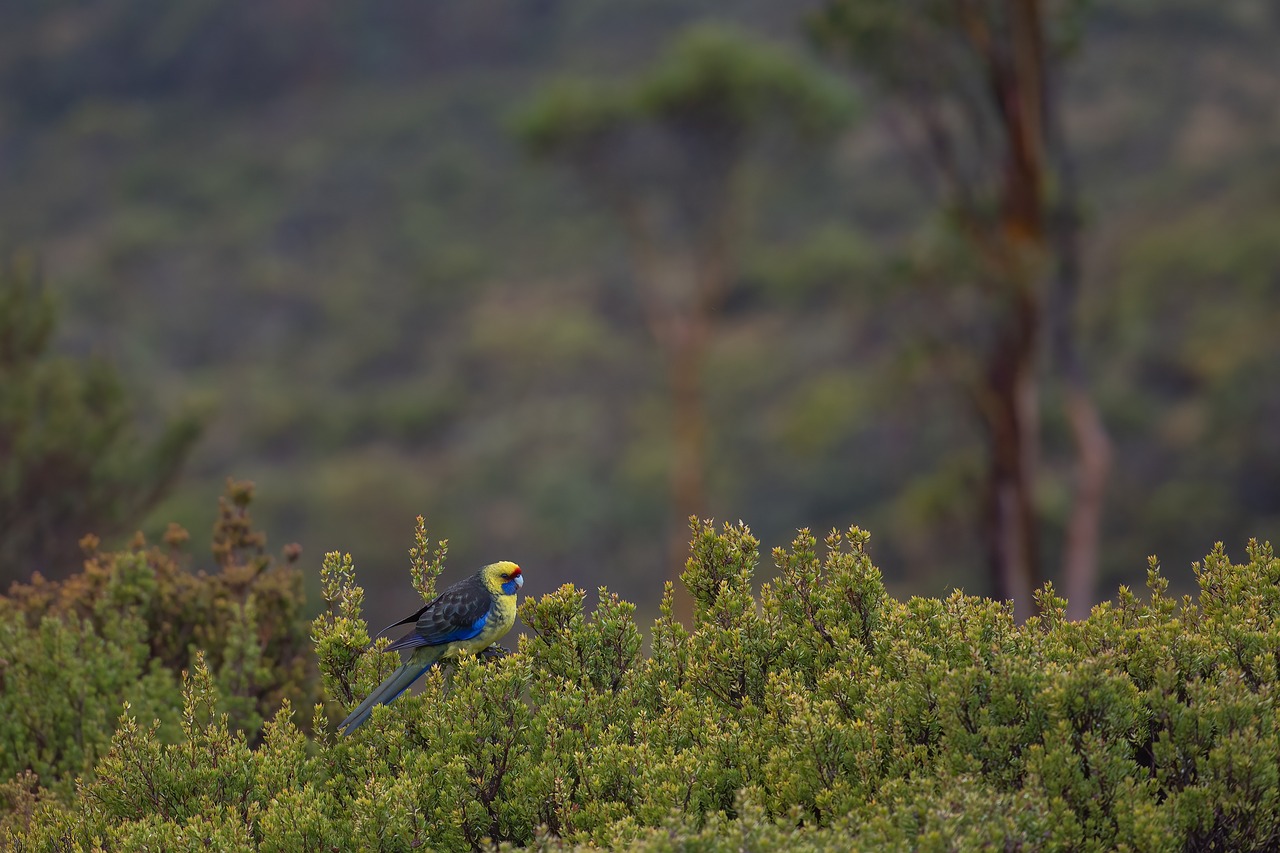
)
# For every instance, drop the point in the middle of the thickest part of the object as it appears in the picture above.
(411, 618)
(458, 613)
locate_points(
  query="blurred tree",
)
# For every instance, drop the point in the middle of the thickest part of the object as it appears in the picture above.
(71, 460)
(667, 155)
(975, 81)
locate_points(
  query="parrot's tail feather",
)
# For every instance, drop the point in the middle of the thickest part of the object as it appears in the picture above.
(396, 683)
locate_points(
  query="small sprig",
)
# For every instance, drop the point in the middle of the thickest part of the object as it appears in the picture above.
(339, 633)
(426, 564)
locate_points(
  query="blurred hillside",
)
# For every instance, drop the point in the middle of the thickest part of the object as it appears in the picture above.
(317, 218)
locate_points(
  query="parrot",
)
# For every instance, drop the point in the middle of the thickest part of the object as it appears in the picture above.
(466, 618)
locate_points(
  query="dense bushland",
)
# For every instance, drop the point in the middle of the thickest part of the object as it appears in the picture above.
(816, 713)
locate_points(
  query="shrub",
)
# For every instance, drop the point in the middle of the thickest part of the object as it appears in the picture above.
(126, 627)
(818, 714)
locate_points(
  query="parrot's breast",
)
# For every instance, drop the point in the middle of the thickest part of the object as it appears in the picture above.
(501, 616)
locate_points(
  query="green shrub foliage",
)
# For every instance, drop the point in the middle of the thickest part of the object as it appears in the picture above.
(125, 629)
(815, 714)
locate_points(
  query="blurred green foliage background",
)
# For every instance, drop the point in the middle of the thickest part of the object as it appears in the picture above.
(319, 222)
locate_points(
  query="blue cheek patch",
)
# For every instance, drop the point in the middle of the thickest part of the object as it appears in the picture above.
(510, 587)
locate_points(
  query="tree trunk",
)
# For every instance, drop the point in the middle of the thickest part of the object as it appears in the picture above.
(688, 334)
(1012, 422)
(1084, 528)
(680, 332)
(689, 431)
(1093, 447)
(1016, 76)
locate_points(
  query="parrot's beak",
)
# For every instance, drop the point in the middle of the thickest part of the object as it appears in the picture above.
(519, 581)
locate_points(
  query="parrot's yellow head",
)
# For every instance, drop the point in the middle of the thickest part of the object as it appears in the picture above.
(502, 578)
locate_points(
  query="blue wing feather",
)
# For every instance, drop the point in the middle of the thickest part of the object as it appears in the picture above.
(416, 639)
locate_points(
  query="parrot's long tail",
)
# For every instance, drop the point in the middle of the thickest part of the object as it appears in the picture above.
(396, 683)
